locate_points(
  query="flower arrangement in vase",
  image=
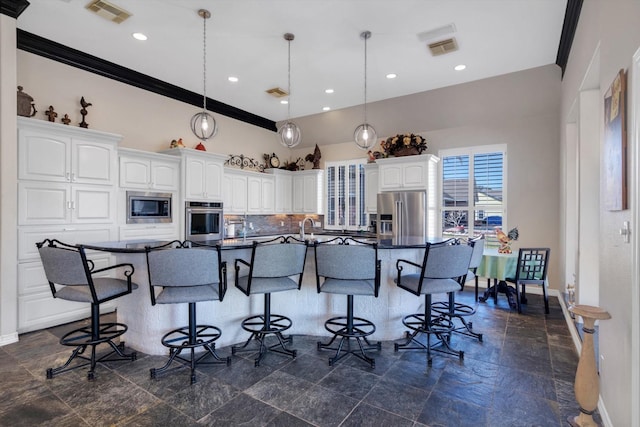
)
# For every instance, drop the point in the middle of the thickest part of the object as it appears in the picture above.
(407, 144)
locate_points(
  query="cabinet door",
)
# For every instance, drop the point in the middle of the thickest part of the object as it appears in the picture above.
(194, 183)
(298, 194)
(92, 163)
(238, 193)
(164, 176)
(72, 234)
(43, 157)
(92, 204)
(283, 194)
(254, 194)
(390, 177)
(135, 173)
(43, 203)
(268, 195)
(213, 180)
(414, 175)
(371, 190)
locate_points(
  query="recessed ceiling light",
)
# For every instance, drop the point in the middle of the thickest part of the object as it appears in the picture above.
(139, 36)
(284, 101)
(460, 67)
(328, 91)
(326, 108)
(392, 76)
(233, 79)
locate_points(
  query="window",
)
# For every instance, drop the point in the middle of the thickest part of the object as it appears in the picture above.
(473, 191)
(345, 195)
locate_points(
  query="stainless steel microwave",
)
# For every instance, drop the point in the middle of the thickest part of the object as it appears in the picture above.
(147, 207)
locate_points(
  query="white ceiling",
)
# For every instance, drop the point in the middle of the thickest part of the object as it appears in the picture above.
(245, 39)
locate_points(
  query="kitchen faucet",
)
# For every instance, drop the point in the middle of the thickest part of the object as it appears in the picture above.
(302, 226)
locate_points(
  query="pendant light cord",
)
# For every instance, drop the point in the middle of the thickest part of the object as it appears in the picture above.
(366, 35)
(289, 76)
(204, 61)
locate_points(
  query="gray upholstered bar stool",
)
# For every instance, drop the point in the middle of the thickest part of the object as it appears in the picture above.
(271, 268)
(347, 267)
(462, 311)
(72, 277)
(188, 275)
(444, 267)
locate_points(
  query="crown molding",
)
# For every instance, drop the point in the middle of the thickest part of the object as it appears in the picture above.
(13, 8)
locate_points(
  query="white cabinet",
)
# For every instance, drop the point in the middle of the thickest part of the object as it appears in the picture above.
(59, 153)
(149, 232)
(307, 191)
(407, 173)
(235, 192)
(371, 188)
(283, 187)
(41, 203)
(248, 192)
(66, 191)
(148, 171)
(202, 174)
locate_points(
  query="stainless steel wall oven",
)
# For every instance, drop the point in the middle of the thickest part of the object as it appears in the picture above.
(203, 221)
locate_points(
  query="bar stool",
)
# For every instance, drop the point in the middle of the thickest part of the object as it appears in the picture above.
(272, 264)
(443, 268)
(188, 275)
(348, 267)
(458, 310)
(71, 277)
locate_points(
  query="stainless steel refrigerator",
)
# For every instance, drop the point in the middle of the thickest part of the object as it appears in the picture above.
(402, 217)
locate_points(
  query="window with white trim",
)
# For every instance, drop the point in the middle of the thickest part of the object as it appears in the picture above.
(345, 195)
(474, 188)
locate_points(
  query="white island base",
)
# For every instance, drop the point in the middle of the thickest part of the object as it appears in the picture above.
(307, 309)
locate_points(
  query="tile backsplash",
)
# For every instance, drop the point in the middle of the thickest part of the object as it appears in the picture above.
(265, 225)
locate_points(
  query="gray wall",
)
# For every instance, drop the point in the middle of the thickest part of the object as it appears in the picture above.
(612, 27)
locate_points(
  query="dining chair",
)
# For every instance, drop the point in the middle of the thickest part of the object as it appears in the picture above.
(348, 267)
(181, 274)
(531, 269)
(74, 277)
(271, 268)
(443, 269)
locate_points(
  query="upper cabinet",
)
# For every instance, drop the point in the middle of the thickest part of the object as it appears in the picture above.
(283, 181)
(371, 174)
(148, 171)
(407, 173)
(57, 153)
(247, 192)
(307, 191)
(202, 174)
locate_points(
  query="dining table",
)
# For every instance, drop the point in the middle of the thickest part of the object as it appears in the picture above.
(498, 266)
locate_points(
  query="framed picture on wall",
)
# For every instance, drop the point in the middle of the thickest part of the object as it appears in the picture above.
(615, 144)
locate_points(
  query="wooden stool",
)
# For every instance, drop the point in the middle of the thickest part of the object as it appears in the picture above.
(587, 382)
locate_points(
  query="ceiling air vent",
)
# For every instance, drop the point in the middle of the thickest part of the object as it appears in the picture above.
(277, 92)
(444, 46)
(108, 11)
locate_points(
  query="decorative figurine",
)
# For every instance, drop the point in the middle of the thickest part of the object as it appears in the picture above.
(51, 114)
(177, 144)
(84, 112)
(66, 120)
(201, 147)
(506, 239)
(26, 107)
(314, 158)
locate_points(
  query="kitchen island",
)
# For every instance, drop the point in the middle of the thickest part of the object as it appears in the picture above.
(307, 309)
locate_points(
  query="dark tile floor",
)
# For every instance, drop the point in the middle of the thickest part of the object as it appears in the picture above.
(520, 375)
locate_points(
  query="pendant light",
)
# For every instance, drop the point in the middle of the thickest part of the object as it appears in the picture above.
(289, 133)
(203, 125)
(365, 135)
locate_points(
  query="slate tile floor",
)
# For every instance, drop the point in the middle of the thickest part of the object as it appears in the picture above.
(520, 375)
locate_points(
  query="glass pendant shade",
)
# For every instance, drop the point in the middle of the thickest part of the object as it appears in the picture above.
(203, 125)
(289, 134)
(365, 136)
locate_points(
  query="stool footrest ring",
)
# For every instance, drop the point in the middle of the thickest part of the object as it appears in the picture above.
(340, 326)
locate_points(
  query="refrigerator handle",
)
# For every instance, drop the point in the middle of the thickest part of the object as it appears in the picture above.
(398, 215)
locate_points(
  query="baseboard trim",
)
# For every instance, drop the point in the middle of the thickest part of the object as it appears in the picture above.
(8, 339)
